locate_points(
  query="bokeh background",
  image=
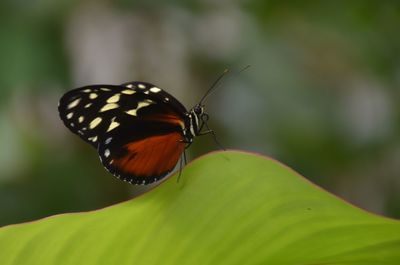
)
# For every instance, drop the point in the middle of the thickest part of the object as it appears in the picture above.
(322, 95)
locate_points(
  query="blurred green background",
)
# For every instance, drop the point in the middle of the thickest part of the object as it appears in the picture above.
(321, 96)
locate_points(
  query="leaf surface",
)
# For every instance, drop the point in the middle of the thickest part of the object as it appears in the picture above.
(229, 208)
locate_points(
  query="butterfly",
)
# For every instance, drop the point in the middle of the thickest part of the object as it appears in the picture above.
(139, 130)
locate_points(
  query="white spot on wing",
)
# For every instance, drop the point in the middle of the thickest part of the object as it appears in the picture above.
(146, 92)
(141, 86)
(93, 139)
(129, 85)
(108, 140)
(113, 125)
(155, 89)
(128, 92)
(88, 105)
(80, 119)
(105, 89)
(73, 103)
(143, 104)
(109, 107)
(107, 153)
(69, 115)
(87, 90)
(94, 122)
(113, 99)
(93, 95)
(131, 112)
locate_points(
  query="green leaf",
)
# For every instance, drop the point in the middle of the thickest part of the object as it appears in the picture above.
(228, 208)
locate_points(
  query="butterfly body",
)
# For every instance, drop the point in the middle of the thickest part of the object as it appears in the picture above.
(139, 130)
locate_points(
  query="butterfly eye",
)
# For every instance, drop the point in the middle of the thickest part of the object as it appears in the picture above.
(198, 109)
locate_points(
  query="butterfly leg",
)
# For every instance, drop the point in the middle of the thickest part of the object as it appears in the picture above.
(182, 160)
(184, 157)
(186, 142)
(180, 170)
(209, 131)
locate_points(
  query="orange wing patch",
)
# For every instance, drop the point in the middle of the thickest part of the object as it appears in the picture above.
(152, 156)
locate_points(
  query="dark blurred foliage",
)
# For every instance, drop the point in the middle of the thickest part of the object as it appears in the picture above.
(321, 96)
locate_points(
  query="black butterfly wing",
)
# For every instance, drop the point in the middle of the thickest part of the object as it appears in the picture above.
(83, 110)
(136, 127)
(156, 93)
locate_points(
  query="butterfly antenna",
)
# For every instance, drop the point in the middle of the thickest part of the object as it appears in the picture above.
(217, 81)
(213, 86)
(244, 68)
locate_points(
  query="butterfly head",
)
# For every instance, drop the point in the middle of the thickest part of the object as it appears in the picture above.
(198, 110)
(202, 116)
